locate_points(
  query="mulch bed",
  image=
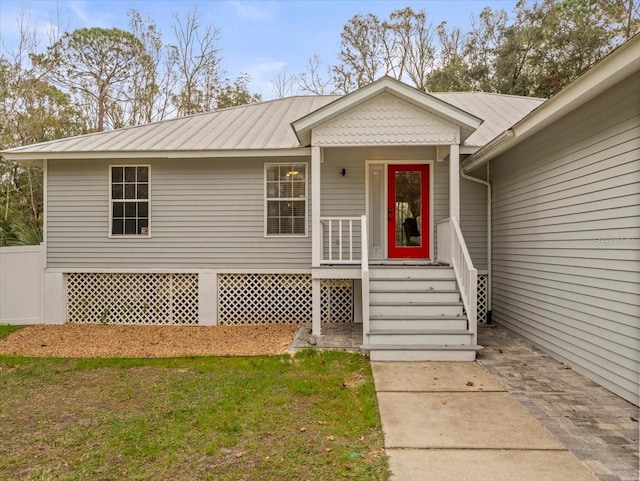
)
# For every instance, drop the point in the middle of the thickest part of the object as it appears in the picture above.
(90, 340)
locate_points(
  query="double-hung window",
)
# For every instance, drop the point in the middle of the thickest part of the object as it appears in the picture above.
(286, 199)
(129, 200)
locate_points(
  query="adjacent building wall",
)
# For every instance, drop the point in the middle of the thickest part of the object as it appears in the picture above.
(566, 239)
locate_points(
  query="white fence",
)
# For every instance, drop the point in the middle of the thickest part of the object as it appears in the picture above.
(20, 284)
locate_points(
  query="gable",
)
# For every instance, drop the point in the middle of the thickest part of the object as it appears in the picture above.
(385, 120)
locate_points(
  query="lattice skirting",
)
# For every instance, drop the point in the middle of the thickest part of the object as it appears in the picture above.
(483, 297)
(111, 298)
(245, 299)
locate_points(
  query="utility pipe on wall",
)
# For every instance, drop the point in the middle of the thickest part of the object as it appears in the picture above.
(486, 183)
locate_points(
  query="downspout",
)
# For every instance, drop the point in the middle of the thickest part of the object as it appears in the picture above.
(486, 183)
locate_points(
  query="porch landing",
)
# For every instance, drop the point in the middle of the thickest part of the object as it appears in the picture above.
(341, 336)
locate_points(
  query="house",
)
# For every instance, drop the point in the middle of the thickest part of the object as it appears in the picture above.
(349, 208)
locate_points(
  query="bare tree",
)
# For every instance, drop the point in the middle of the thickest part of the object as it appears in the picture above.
(197, 62)
(312, 81)
(283, 84)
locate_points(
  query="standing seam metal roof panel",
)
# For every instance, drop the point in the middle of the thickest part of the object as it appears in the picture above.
(266, 125)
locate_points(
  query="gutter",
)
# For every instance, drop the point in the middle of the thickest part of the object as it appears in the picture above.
(487, 184)
(480, 156)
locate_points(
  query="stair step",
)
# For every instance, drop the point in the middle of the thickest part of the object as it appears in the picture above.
(421, 352)
(419, 331)
(418, 273)
(434, 324)
(415, 309)
(414, 278)
(393, 317)
(421, 347)
(401, 284)
(416, 291)
(422, 336)
(418, 303)
(413, 297)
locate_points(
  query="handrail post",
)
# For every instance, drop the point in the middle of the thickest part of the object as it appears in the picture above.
(350, 240)
(473, 304)
(364, 261)
(330, 240)
(340, 240)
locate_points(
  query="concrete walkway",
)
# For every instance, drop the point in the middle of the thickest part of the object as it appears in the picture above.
(455, 422)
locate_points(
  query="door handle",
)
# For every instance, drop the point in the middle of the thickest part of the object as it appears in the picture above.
(389, 214)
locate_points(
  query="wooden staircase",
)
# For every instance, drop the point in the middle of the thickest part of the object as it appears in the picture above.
(416, 314)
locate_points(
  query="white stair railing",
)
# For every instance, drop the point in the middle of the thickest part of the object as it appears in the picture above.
(364, 262)
(453, 250)
(338, 241)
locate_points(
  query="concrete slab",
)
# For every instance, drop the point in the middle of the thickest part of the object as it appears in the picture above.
(476, 420)
(485, 465)
(433, 377)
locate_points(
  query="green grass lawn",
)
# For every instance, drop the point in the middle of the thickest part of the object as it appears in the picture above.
(310, 417)
(6, 330)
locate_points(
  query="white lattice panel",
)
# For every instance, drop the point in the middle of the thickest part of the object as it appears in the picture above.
(264, 298)
(245, 299)
(132, 298)
(483, 297)
(337, 300)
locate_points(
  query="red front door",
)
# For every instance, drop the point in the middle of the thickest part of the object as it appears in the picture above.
(408, 211)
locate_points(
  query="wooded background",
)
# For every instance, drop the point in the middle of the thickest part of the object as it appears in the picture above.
(95, 79)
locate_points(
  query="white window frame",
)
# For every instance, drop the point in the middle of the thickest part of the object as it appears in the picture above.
(306, 199)
(129, 236)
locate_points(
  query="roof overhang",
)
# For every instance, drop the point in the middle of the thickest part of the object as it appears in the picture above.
(468, 123)
(615, 67)
(36, 158)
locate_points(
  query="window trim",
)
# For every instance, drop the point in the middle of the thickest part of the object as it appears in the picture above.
(129, 236)
(306, 200)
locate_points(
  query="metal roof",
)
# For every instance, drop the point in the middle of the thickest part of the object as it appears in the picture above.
(263, 126)
(498, 111)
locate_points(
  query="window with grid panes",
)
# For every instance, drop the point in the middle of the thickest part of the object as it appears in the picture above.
(130, 200)
(286, 199)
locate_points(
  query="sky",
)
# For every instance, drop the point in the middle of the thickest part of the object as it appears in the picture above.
(256, 37)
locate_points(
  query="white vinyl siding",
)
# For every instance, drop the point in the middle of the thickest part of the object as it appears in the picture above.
(209, 213)
(566, 239)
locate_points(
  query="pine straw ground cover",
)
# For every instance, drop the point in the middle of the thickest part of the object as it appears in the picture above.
(97, 340)
(312, 416)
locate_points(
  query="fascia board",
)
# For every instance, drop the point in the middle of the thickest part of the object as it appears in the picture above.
(29, 157)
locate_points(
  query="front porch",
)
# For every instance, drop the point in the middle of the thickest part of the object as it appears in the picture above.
(386, 210)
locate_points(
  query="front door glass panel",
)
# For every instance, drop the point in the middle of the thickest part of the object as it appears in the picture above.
(408, 211)
(407, 206)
